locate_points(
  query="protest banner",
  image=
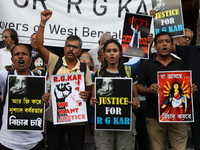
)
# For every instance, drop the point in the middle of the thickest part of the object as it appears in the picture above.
(112, 112)
(25, 106)
(135, 32)
(175, 98)
(169, 17)
(88, 19)
(67, 105)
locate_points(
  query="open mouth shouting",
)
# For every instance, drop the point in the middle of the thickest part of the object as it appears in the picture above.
(112, 58)
(21, 62)
(165, 49)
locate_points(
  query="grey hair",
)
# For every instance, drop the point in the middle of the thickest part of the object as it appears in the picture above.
(104, 37)
(187, 29)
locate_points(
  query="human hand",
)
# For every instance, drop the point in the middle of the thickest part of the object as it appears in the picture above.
(135, 103)
(150, 39)
(45, 97)
(84, 95)
(154, 88)
(152, 13)
(194, 88)
(93, 101)
(45, 15)
(10, 68)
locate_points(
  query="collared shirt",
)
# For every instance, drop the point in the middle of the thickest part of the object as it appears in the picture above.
(5, 58)
(148, 75)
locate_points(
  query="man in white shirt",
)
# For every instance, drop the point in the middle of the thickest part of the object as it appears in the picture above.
(10, 39)
(17, 140)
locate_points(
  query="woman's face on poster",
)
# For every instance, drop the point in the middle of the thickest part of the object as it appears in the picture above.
(107, 85)
(20, 82)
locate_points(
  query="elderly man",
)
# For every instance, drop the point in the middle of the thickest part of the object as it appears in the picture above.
(10, 39)
(186, 39)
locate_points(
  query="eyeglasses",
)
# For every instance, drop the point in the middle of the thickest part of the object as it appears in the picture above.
(73, 46)
(32, 40)
(185, 37)
(81, 58)
(5, 36)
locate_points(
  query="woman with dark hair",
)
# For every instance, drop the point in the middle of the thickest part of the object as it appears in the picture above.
(113, 67)
(113, 62)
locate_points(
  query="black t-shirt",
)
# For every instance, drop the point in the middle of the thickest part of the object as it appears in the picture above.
(148, 75)
(115, 74)
(191, 56)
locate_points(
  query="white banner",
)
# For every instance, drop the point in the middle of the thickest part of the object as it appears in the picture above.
(88, 19)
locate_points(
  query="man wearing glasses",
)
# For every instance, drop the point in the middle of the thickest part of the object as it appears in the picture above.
(186, 39)
(72, 49)
(10, 39)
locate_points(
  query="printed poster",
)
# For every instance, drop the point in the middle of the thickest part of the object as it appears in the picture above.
(135, 32)
(113, 111)
(67, 105)
(174, 98)
(25, 106)
(169, 17)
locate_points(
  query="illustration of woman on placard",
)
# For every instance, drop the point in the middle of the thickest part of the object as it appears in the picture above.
(176, 102)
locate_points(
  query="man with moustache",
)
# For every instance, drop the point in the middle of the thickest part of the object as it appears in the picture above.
(10, 39)
(70, 64)
(21, 140)
(162, 61)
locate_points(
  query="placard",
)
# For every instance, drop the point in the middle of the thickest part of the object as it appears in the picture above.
(135, 32)
(175, 98)
(25, 106)
(112, 112)
(67, 105)
(169, 17)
